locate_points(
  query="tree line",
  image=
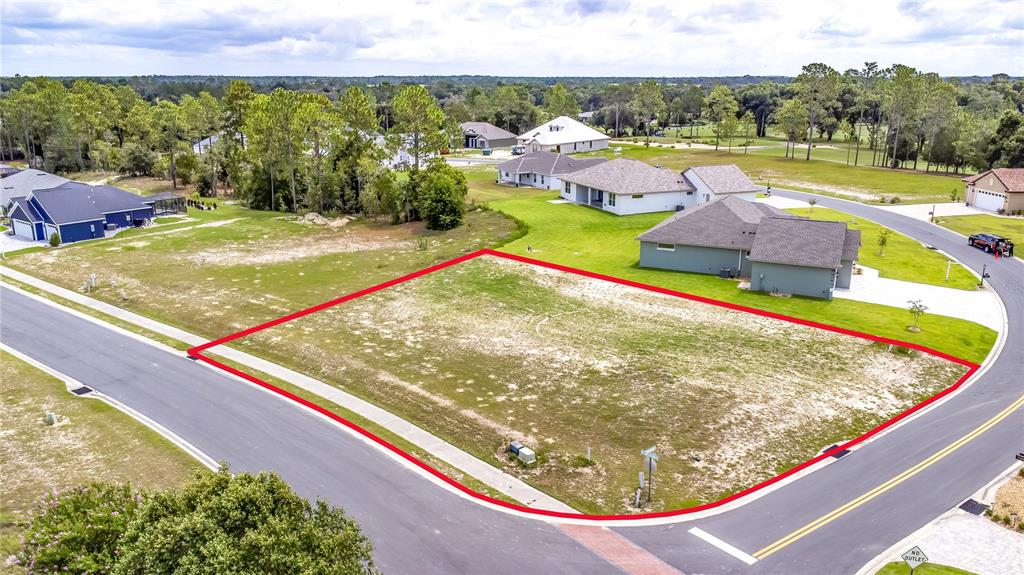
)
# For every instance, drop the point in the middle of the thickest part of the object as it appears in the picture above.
(283, 150)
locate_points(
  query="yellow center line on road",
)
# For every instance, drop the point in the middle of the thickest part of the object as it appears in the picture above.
(840, 511)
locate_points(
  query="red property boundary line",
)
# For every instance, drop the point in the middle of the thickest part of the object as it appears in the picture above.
(196, 352)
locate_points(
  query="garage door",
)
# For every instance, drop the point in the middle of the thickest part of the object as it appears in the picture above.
(22, 229)
(989, 200)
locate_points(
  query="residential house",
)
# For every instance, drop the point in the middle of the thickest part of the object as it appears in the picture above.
(624, 187)
(586, 117)
(542, 169)
(563, 135)
(75, 212)
(22, 183)
(778, 251)
(999, 190)
(712, 182)
(483, 135)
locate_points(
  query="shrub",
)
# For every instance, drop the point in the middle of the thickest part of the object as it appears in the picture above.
(77, 531)
(54, 240)
(137, 160)
(442, 197)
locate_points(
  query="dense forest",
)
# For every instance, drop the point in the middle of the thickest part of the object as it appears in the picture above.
(324, 144)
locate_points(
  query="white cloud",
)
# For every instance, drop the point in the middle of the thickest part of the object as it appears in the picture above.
(506, 37)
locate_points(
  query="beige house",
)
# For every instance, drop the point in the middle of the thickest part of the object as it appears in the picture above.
(999, 190)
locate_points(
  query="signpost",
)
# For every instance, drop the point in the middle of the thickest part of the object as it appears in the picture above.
(914, 558)
(651, 459)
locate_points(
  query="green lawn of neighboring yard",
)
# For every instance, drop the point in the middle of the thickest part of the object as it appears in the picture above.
(863, 183)
(904, 259)
(901, 568)
(1012, 228)
(594, 240)
(93, 441)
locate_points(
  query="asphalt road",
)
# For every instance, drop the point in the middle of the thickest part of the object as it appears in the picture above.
(418, 527)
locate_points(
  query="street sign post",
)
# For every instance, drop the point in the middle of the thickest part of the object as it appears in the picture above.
(651, 458)
(914, 558)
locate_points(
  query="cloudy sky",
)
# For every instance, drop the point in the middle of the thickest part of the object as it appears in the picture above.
(506, 37)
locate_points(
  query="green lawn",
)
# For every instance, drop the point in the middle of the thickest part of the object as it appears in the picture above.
(901, 568)
(93, 441)
(1012, 228)
(904, 259)
(594, 240)
(863, 183)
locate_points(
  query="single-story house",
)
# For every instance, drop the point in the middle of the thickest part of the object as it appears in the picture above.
(654, 189)
(76, 211)
(542, 169)
(483, 135)
(563, 135)
(22, 183)
(622, 186)
(586, 117)
(999, 190)
(778, 251)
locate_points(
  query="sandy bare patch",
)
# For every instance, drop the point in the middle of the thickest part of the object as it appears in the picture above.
(257, 253)
(858, 193)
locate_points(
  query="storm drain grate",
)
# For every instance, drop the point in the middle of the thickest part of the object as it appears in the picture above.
(838, 454)
(973, 507)
(82, 390)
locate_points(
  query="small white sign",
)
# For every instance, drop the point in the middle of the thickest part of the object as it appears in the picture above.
(915, 557)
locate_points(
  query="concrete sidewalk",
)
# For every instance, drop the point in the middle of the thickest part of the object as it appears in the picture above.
(484, 472)
(980, 306)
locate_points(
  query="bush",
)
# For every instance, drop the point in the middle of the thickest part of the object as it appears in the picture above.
(54, 240)
(217, 523)
(137, 160)
(442, 197)
(77, 531)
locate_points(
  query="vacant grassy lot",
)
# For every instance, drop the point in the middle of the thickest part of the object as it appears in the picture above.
(493, 350)
(862, 183)
(92, 441)
(1012, 228)
(903, 259)
(605, 243)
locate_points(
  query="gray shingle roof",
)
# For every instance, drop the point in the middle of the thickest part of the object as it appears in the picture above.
(801, 242)
(548, 164)
(488, 131)
(23, 183)
(29, 211)
(77, 202)
(624, 176)
(729, 222)
(727, 179)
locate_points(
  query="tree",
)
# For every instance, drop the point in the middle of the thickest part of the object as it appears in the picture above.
(883, 240)
(237, 97)
(902, 99)
(442, 196)
(720, 105)
(761, 100)
(818, 90)
(693, 104)
(618, 97)
(649, 103)
(810, 205)
(419, 124)
(558, 101)
(727, 129)
(166, 119)
(917, 310)
(136, 160)
(230, 523)
(748, 127)
(791, 118)
(1005, 149)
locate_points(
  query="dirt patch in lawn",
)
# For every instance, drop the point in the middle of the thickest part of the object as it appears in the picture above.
(275, 252)
(857, 193)
(492, 350)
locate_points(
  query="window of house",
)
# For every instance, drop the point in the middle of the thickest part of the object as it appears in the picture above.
(542, 179)
(535, 178)
(666, 247)
(127, 217)
(637, 196)
(92, 228)
(689, 193)
(567, 187)
(611, 199)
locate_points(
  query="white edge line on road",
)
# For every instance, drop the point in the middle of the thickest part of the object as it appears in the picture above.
(723, 546)
(72, 383)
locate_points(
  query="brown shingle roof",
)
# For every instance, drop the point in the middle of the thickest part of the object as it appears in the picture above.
(623, 176)
(726, 179)
(729, 223)
(800, 242)
(548, 163)
(1012, 178)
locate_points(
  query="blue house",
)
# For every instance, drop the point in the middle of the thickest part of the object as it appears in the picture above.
(75, 212)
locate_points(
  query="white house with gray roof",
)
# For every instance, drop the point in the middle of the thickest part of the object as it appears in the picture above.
(542, 169)
(563, 135)
(778, 251)
(622, 186)
(484, 135)
(713, 182)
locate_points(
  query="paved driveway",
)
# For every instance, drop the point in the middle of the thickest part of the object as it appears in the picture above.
(9, 243)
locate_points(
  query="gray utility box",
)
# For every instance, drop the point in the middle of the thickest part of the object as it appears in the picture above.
(514, 447)
(526, 455)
